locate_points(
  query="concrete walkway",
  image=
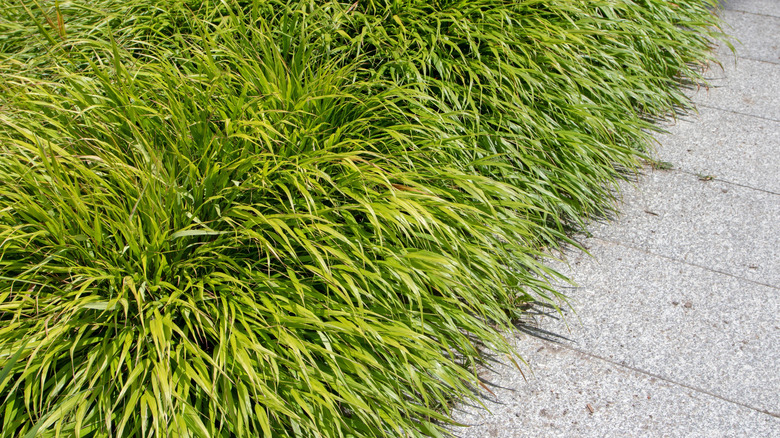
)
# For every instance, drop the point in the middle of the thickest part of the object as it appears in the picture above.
(677, 325)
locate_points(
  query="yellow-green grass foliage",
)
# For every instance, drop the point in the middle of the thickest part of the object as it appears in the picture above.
(301, 218)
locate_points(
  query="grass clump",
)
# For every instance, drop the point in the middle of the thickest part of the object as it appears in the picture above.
(288, 218)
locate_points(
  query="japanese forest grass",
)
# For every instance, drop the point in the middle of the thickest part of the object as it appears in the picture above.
(301, 218)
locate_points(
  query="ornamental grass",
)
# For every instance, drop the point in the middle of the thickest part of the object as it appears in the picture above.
(302, 218)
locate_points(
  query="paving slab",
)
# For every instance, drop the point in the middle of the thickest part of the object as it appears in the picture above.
(763, 7)
(757, 36)
(572, 394)
(749, 87)
(712, 331)
(709, 223)
(748, 147)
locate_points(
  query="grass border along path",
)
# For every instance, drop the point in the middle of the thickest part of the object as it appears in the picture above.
(301, 218)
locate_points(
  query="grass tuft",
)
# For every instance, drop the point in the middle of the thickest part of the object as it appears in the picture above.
(298, 218)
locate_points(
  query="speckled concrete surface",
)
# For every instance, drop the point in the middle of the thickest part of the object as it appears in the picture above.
(751, 88)
(574, 394)
(743, 144)
(758, 34)
(674, 328)
(760, 7)
(706, 222)
(678, 321)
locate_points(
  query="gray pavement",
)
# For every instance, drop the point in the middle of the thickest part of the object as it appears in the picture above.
(675, 323)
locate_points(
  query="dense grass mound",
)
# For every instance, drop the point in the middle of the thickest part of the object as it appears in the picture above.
(298, 218)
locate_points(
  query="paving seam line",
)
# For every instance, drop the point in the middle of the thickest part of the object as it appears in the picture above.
(659, 377)
(739, 113)
(717, 271)
(725, 181)
(749, 12)
(765, 61)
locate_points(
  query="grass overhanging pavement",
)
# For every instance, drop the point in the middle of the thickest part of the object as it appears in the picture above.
(302, 218)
